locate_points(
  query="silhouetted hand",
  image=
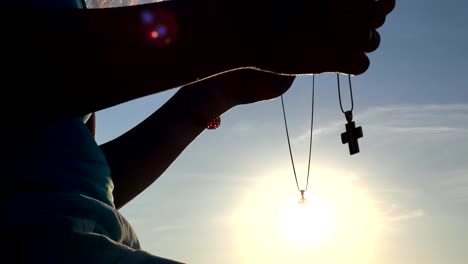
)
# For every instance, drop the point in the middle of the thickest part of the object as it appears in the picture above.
(296, 36)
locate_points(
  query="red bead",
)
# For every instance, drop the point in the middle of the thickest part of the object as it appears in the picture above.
(214, 124)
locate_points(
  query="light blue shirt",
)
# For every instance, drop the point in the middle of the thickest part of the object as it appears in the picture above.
(56, 199)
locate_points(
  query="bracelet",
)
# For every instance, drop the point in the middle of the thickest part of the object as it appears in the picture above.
(214, 123)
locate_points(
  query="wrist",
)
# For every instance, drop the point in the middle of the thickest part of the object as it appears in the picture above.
(204, 103)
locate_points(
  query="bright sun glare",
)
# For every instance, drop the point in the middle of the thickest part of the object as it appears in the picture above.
(339, 223)
(309, 223)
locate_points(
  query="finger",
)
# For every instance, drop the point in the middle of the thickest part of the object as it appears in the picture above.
(258, 78)
(349, 63)
(356, 32)
(373, 42)
(278, 85)
(359, 38)
(355, 64)
(387, 5)
(256, 85)
(371, 14)
(328, 60)
(377, 14)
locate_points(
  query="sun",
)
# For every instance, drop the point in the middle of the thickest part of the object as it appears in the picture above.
(307, 223)
(340, 222)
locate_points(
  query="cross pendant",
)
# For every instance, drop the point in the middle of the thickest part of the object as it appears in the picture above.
(352, 134)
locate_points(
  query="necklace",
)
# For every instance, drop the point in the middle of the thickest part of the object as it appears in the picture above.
(302, 191)
(350, 136)
(352, 133)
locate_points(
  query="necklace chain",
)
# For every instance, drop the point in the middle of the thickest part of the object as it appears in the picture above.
(350, 92)
(310, 145)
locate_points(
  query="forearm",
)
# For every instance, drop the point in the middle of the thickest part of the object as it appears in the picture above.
(140, 156)
(94, 59)
(119, 59)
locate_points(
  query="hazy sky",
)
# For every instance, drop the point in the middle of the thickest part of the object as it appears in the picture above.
(231, 196)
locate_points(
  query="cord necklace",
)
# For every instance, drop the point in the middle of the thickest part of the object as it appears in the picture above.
(302, 191)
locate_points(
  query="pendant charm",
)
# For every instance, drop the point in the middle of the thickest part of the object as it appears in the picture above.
(302, 200)
(352, 134)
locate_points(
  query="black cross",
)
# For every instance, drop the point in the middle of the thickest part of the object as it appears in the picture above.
(351, 137)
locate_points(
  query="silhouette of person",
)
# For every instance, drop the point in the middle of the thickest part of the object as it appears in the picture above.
(60, 191)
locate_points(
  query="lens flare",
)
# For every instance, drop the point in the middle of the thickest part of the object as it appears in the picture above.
(154, 34)
(159, 27)
(147, 17)
(162, 30)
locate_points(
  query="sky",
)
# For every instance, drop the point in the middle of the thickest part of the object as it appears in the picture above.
(231, 196)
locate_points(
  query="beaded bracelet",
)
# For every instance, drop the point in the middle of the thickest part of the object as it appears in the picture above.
(214, 123)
